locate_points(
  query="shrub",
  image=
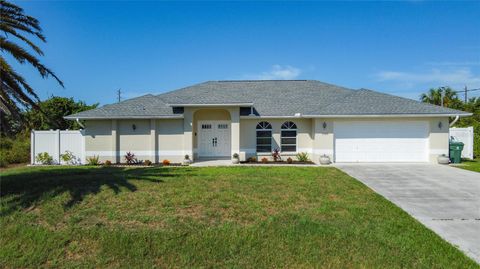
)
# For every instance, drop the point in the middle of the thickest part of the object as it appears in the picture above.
(68, 157)
(264, 160)
(94, 160)
(235, 155)
(16, 150)
(147, 162)
(252, 160)
(44, 158)
(289, 160)
(3, 162)
(187, 157)
(166, 162)
(108, 163)
(130, 158)
(276, 155)
(303, 157)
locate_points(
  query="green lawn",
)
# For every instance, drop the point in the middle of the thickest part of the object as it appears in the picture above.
(252, 217)
(472, 165)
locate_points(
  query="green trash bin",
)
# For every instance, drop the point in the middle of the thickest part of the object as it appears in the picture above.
(456, 148)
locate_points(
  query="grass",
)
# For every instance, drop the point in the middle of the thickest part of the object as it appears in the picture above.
(472, 165)
(252, 217)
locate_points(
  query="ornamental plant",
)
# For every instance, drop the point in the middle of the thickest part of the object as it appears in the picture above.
(303, 157)
(68, 157)
(94, 160)
(276, 155)
(166, 162)
(264, 160)
(130, 158)
(44, 158)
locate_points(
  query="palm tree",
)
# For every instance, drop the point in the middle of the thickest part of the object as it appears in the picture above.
(15, 92)
(434, 96)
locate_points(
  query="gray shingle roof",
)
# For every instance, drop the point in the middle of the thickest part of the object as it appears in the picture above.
(271, 98)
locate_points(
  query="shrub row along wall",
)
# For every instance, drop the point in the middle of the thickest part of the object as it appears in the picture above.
(56, 143)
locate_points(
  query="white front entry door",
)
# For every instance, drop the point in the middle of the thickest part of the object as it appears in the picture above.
(381, 141)
(214, 138)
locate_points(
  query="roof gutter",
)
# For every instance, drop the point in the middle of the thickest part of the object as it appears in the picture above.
(210, 105)
(124, 117)
(363, 116)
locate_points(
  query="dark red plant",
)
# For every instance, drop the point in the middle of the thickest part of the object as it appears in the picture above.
(130, 158)
(276, 155)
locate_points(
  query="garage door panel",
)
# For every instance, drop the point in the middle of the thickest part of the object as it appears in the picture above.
(370, 141)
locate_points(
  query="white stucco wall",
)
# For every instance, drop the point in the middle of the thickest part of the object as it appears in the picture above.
(173, 138)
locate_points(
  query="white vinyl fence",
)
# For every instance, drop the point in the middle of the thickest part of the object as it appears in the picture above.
(57, 142)
(464, 135)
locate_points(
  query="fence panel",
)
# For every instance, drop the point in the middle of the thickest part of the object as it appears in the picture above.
(56, 142)
(464, 135)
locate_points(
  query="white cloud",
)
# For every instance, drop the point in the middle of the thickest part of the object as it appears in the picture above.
(457, 77)
(278, 72)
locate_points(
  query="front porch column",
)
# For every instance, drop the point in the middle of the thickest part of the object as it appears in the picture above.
(153, 140)
(188, 132)
(235, 123)
(115, 144)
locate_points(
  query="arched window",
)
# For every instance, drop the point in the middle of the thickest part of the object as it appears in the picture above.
(289, 137)
(264, 137)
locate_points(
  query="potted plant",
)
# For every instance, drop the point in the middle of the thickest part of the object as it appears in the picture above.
(324, 159)
(443, 159)
(186, 160)
(235, 159)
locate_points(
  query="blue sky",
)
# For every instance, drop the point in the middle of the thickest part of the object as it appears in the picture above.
(401, 48)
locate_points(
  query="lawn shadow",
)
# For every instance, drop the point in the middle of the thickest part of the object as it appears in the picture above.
(25, 190)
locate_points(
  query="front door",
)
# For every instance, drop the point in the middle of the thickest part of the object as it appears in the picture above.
(214, 138)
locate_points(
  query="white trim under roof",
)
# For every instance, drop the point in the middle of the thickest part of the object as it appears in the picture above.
(125, 117)
(210, 105)
(361, 116)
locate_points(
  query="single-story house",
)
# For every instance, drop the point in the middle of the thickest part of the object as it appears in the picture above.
(216, 119)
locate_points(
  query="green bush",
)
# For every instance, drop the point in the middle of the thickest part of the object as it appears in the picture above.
(44, 158)
(94, 160)
(302, 157)
(3, 162)
(14, 150)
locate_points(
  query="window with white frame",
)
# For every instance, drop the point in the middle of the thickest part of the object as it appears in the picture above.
(288, 137)
(264, 137)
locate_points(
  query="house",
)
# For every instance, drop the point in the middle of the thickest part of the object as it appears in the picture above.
(216, 119)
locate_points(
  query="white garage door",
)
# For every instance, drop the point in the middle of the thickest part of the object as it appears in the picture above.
(381, 141)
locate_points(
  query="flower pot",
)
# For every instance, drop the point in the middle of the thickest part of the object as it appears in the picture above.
(324, 160)
(186, 162)
(443, 159)
(235, 161)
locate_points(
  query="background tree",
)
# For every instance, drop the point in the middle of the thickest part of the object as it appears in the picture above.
(15, 92)
(55, 108)
(451, 100)
(434, 96)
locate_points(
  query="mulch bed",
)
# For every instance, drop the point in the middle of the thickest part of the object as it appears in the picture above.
(280, 162)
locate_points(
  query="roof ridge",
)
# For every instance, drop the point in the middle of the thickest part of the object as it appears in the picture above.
(259, 80)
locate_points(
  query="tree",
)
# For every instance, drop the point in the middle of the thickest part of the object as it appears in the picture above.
(434, 96)
(55, 108)
(15, 92)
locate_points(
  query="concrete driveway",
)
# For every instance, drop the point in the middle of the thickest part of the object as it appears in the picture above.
(443, 198)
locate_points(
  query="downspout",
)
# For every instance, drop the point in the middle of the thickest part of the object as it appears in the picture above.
(79, 123)
(454, 121)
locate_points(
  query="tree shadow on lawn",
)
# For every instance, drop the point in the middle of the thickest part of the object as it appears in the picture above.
(30, 187)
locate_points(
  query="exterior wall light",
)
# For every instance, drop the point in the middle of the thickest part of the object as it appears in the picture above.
(134, 127)
(324, 125)
(439, 125)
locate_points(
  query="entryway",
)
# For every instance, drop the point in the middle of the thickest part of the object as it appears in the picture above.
(214, 139)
